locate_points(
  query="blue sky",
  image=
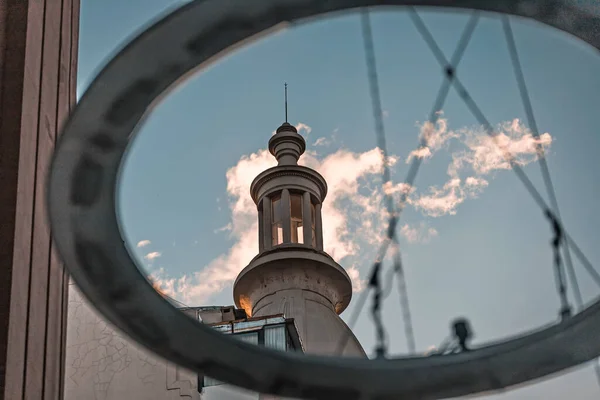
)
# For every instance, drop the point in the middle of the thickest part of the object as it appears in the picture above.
(488, 258)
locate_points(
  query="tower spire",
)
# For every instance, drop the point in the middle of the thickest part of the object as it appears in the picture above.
(286, 108)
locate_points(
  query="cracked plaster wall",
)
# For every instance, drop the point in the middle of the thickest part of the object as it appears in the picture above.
(102, 364)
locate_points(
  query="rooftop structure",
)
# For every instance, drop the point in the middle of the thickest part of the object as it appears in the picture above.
(274, 332)
(292, 274)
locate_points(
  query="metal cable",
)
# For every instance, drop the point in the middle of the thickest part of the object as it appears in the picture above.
(450, 74)
(476, 111)
(582, 258)
(376, 103)
(433, 118)
(565, 310)
(440, 99)
(518, 69)
(361, 300)
(512, 48)
(411, 176)
(375, 284)
(375, 280)
(569, 242)
(404, 303)
(464, 94)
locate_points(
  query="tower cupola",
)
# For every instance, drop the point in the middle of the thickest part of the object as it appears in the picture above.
(292, 274)
(287, 145)
(289, 196)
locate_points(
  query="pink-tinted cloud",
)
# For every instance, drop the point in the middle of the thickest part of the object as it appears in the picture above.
(302, 128)
(419, 233)
(152, 256)
(437, 136)
(354, 221)
(358, 284)
(143, 243)
(342, 233)
(322, 141)
(480, 156)
(445, 200)
(486, 154)
(224, 228)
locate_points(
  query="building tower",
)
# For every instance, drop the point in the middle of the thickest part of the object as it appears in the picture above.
(291, 273)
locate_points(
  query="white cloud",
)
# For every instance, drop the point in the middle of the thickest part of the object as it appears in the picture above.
(143, 243)
(486, 154)
(327, 141)
(342, 170)
(322, 141)
(302, 127)
(161, 283)
(354, 219)
(476, 183)
(152, 256)
(418, 234)
(435, 135)
(342, 231)
(445, 200)
(390, 188)
(227, 227)
(480, 156)
(358, 284)
(421, 152)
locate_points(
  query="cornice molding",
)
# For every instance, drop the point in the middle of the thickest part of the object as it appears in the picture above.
(279, 171)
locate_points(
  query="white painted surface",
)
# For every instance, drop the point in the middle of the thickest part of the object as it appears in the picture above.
(104, 364)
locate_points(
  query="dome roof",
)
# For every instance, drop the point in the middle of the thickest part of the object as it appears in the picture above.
(286, 127)
(322, 331)
(304, 284)
(286, 145)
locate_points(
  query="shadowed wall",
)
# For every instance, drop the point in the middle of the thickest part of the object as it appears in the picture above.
(38, 60)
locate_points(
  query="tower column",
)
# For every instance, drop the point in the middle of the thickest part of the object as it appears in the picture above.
(287, 218)
(306, 219)
(261, 231)
(266, 237)
(319, 226)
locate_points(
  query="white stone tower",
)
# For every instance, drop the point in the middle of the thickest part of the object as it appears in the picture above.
(291, 273)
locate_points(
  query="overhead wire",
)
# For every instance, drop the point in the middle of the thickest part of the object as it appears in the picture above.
(375, 271)
(476, 111)
(451, 79)
(398, 269)
(524, 92)
(361, 301)
(583, 258)
(403, 293)
(552, 214)
(374, 275)
(520, 77)
(424, 141)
